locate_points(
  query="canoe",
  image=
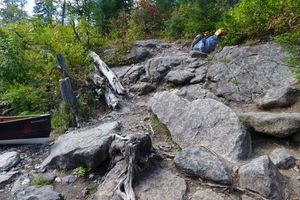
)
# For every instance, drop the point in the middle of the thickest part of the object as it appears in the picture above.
(25, 129)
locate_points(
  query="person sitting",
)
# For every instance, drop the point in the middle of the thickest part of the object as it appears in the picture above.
(208, 43)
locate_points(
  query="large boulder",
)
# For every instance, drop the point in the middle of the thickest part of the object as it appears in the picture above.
(160, 184)
(284, 96)
(87, 147)
(196, 91)
(263, 177)
(40, 193)
(9, 160)
(240, 72)
(133, 74)
(276, 124)
(203, 122)
(199, 162)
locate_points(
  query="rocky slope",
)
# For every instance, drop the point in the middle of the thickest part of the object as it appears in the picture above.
(222, 127)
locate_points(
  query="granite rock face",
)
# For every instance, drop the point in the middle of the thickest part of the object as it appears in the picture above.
(203, 122)
(240, 72)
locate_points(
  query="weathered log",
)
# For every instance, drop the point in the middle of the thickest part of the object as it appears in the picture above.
(111, 99)
(67, 92)
(113, 80)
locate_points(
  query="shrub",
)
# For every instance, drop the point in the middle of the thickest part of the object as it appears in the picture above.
(39, 181)
(259, 19)
(80, 171)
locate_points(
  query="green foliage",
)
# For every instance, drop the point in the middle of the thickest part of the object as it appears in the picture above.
(193, 17)
(39, 181)
(80, 171)
(259, 18)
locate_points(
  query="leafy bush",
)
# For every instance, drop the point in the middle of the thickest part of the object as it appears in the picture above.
(260, 18)
(291, 41)
(80, 171)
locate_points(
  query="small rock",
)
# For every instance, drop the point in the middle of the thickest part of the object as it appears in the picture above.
(21, 183)
(91, 176)
(57, 179)
(179, 77)
(48, 176)
(275, 124)
(9, 160)
(69, 179)
(199, 162)
(85, 192)
(142, 88)
(263, 177)
(282, 158)
(39, 193)
(6, 178)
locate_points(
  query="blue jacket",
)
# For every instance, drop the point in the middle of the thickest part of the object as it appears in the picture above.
(208, 44)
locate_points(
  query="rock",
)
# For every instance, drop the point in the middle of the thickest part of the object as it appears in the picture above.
(84, 147)
(112, 179)
(142, 88)
(203, 122)
(284, 96)
(147, 43)
(40, 193)
(207, 194)
(199, 162)
(20, 184)
(240, 72)
(179, 77)
(263, 177)
(6, 178)
(138, 54)
(158, 67)
(9, 160)
(282, 158)
(133, 74)
(69, 179)
(200, 75)
(57, 180)
(193, 92)
(276, 124)
(160, 184)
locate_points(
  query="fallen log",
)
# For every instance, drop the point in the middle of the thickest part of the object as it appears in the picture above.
(111, 99)
(102, 68)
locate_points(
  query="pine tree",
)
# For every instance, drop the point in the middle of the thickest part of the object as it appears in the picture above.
(45, 10)
(12, 10)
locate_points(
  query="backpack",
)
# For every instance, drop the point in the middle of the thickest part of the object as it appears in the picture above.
(198, 38)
